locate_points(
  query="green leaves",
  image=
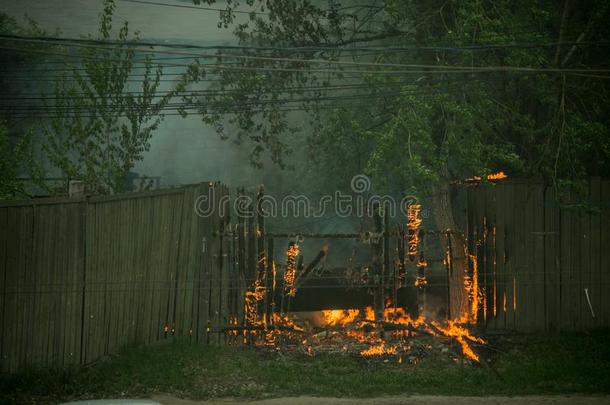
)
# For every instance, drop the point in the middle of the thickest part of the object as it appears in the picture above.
(100, 125)
(17, 157)
(443, 125)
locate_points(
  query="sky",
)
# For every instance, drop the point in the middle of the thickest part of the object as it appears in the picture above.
(183, 151)
(80, 17)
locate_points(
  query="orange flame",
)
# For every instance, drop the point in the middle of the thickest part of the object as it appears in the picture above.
(497, 176)
(291, 270)
(494, 176)
(471, 285)
(420, 281)
(413, 224)
(378, 350)
(333, 317)
(461, 335)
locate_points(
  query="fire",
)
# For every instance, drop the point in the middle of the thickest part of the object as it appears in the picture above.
(494, 176)
(413, 224)
(286, 321)
(471, 285)
(420, 281)
(379, 350)
(514, 294)
(352, 319)
(384, 337)
(291, 270)
(497, 176)
(250, 308)
(369, 314)
(401, 317)
(357, 335)
(333, 317)
(253, 296)
(343, 317)
(461, 335)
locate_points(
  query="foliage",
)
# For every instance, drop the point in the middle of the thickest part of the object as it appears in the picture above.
(451, 114)
(15, 159)
(99, 126)
(17, 152)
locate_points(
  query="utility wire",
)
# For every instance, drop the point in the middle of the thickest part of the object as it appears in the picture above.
(155, 3)
(288, 90)
(385, 49)
(281, 101)
(440, 69)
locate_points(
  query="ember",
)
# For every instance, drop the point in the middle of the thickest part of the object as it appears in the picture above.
(491, 177)
(381, 330)
(290, 273)
(358, 332)
(378, 350)
(413, 224)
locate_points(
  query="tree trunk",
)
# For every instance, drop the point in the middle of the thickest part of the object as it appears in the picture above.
(456, 243)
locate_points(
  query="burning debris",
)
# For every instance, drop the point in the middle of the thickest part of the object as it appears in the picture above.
(291, 269)
(413, 225)
(490, 177)
(358, 332)
(382, 328)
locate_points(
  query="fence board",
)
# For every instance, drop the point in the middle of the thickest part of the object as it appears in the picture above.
(538, 271)
(9, 328)
(24, 283)
(214, 274)
(169, 269)
(27, 284)
(576, 264)
(3, 280)
(159, 315)
(595, 280)
(551, 261)
(509, 248)
(501, 256)
(3, 287)
(183, 307)
(566, 258)
(148, 260)
(519, 254)
(585, 270)
(204, 273)
(88, 307)
(605, 253)
(554, 250)
(490, 255)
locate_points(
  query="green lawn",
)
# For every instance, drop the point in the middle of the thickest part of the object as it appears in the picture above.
(575, 363)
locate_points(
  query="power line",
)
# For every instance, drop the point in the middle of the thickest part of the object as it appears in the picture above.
(155, 3)
(336, 106)
(440, 69)
(350, 49)
(289, 90)
(280, 101)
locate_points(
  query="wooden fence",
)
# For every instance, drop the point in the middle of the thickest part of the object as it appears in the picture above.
(543, 263)
(83, 278)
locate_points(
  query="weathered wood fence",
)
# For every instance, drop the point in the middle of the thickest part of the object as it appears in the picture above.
(83, 278)
(543, 262)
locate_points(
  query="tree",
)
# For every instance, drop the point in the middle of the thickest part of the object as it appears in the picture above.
(451, 89)
(98, 126)
(16, 158)
(17, 149)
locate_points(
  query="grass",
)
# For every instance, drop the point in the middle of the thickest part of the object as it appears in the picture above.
(553, 364)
